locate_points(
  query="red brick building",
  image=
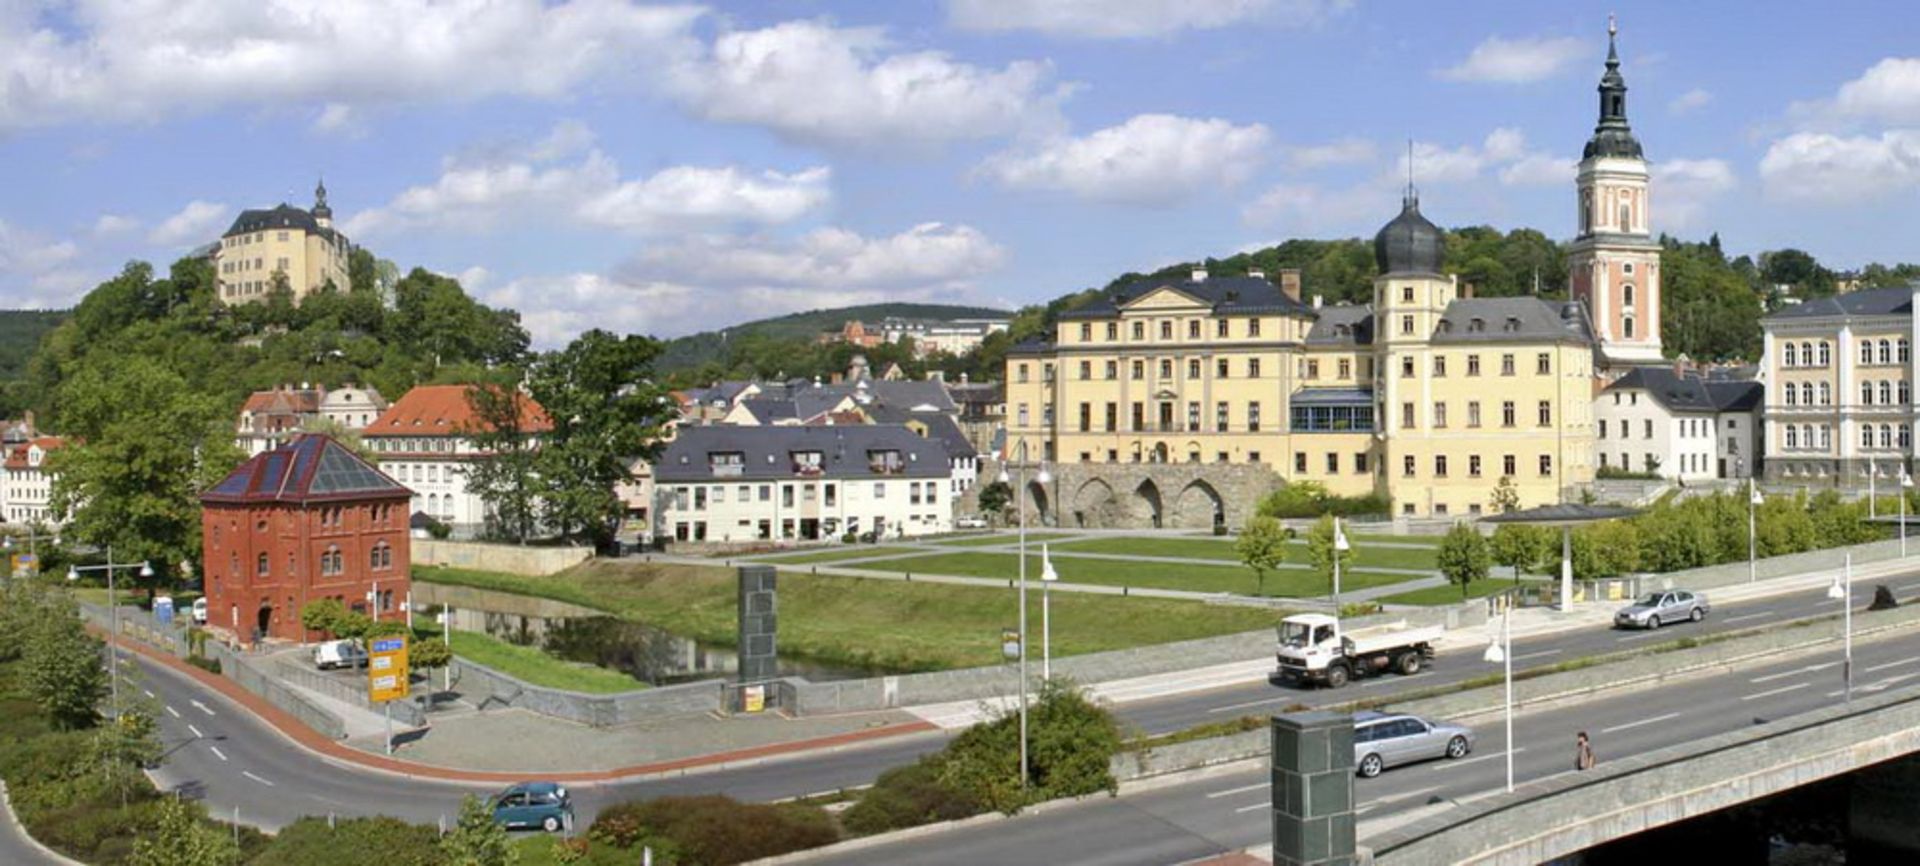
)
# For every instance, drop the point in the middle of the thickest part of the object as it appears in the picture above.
(305, 521)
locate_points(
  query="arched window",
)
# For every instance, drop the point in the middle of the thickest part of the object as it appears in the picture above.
(1866, 351)
(1793, 395)
(1793, 436)
(1866, 436)
(1886, 351)
(1906, 393)
(1886, 435)
(1626, 327)
(330, 561)
(233, 566)
(1626, 295)
(1906, 436)
(1866, 393)
(1826, 399)
(1904, 352)
(1626, 217)
(262, 566)
(1806, 354)
(1886, 393)
(1806, 392)
(1826, 356)
(1586, 212)
(1826, 436)
(373, 558)
(1787, 356)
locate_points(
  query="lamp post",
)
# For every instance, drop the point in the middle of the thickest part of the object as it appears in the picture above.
(1753, 503)
(1844, 592)
(1501, 652)
(33, 547)
(1873, 499)
(1020, 510)
(1906, 484)
(1047, 577)
(1340, 546)
(113, 617)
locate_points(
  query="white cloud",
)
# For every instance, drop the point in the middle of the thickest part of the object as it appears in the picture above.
(529, 186)
(1824, 168)
(1516, 61)
(1887, 92)
(1152, 159)
(1690, 100)
(1319, 211)
(1345, 151)
(1682, 188)
(336, 118)
(811, 82)
(1504, 149)
(1130, 19)
(36, 271)
(197, 223)
(1538, 169)
(113, 224)
(147, 60)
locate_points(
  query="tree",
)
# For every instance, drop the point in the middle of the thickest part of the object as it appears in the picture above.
(322, 615)
(1262, 546)
(503, 430)
(1521, 547)
(1463, 556)
(62, 666)
(604, 412)
(180, 838)
(476, 840)
(1321, 551)
(429, 654)
(995, 496)
(1505, 496)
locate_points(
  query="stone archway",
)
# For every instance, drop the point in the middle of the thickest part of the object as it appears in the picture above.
(1148, 503)
(1037, 503)
(1159, 453)
(1094, 506)
(1198, 506)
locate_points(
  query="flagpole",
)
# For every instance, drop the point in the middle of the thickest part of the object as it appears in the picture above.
(1047, 577)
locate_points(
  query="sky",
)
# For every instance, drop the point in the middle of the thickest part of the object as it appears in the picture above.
(666, 169)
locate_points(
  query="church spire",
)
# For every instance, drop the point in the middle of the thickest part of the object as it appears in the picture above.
(1612, 136)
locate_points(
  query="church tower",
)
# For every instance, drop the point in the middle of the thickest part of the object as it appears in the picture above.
(1614, 261)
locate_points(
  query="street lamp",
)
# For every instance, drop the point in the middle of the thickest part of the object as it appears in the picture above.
(1844, 593)
(1047, 578)
(1753, 502)
(1501, 652)
(33, 548)
(113, 617)
(1020, 510)
(1340, 546)
(1906, 484)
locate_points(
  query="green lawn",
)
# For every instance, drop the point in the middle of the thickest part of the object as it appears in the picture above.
(1364, 538)
(1449, 594)
(836, 554)
(874, 624)
(1002, 538)
(1365, 555)
(537, 667)
(1120, 572)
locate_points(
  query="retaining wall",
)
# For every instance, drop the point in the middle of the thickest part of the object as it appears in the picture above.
(411, 711)
(487, 689)
(1790, 565)
(1191, 755)
(249, 676)
(513, 559)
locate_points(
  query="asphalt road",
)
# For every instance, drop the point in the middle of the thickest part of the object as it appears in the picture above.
(218, 752)
(1231, 811)
(18, 850)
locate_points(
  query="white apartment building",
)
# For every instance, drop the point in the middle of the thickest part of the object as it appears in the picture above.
(732, 483)
(27, 487)
(421, 441)
(1681, 425)
(1839, 392)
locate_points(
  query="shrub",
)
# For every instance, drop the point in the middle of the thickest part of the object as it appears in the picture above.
(1071, 744)
(1311, 499)
(384, 840)
(211, 666)
(720, 831)
(905, 797)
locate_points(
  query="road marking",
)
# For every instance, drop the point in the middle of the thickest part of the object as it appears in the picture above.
(1447, 765)
(1779, 691)
(1890, 665)
(1232, 791)
(1792, 673)
(256, 778)
(148, 694)
(1521, 658)
(196, 732)
(1744, 617)
(173, 712)
(1654, 720)
(217, 753)
(1641, 636)
(1266, 805)
(201, 707)
(1231, 707)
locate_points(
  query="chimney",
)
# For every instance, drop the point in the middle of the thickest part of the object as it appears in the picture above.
(1257, 274)
(1317, 300)
(1199, 275)
(1290, 283)
(1466, 290)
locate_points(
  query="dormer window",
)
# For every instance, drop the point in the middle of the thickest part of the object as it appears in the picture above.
(1476, 325)
(1513, 324)
(807, 463)
(885, 462)
(727, 463)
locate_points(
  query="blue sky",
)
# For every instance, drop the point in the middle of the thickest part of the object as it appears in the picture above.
(665, 169)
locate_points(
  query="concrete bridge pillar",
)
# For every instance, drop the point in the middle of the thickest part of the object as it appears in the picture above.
(1881, 810)
(1313, 821)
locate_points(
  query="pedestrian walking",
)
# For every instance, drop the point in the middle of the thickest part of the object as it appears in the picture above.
(1582, 752)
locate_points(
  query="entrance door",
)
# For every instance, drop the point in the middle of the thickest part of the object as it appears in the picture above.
(264, 626)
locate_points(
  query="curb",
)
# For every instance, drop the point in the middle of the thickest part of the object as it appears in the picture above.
(334, 753)
(6, 804)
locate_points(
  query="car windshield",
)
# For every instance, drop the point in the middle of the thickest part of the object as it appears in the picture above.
(1649, 601)
(1294, 634)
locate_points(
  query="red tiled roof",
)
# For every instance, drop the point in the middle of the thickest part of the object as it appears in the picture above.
(443, 410)
(16, 456)
(283, 401)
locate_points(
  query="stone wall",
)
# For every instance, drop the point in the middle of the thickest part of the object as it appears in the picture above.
(512, 559)
(1140, 495)
(488, 689)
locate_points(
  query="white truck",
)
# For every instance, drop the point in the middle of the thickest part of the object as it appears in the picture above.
(1313, 648)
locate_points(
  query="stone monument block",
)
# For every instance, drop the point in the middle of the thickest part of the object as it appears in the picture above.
(1313, 822)
(759, 624)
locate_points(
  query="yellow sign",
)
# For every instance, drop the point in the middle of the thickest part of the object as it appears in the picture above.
(755, 699)
(387, 669)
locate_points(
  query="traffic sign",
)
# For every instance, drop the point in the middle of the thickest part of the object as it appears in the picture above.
(387, 669)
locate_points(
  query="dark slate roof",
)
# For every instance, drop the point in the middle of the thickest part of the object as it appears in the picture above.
(1358, 322)
(977, 393)
(311, 468)
(285, 216)
(768, 411)
(1871, 302)
(1031, 347)
(1226, 295)
(1332, 396)
(939, 425)
(1690, 393)
(766, 452)
(1500, 320)
(1409, 243)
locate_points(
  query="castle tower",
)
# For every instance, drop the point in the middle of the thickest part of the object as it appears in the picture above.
(1614, 261)
(322, 213)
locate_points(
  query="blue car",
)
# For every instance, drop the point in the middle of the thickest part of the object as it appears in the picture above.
(528, 805)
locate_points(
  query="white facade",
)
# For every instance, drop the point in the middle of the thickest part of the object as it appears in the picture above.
(352, 408)
(26, 489)
(787, 509)
(1652, 420)
(438, 479)
(1839, 398)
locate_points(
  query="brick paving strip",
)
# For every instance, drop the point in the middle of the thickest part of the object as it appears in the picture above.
(312, 741)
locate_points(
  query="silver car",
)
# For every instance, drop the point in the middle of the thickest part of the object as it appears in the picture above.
(1656, 609)
(1382, 740)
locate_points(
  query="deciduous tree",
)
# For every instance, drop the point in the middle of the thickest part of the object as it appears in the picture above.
(1463, 556)
(1262, 546)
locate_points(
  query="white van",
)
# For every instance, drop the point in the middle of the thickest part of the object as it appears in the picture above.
(200, 611)
(339, 654)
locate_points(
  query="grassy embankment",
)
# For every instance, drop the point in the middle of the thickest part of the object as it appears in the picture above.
(1224, 577)
(836, 554)
(853, 622)
(535, 666)
(1365, 555)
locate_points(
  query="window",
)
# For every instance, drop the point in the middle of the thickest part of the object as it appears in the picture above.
(1020, 374)
(1508, 465)
(1086, 332)
(1473, 365)
(1866, 352)
(1546, 464)
(1113, 332)
(1300, 462)
(1626, 295)
(1904, 354)
(1866, 393)
(1406, 367)
(1253, 368)
(1646, 431)
(1866, 436)
(1193, 329)
(1906, 436)
(1113, 369)
(1166, 329)
(1886, 393)
(1139, 331)
(1193, 416)
(1806, 355)
(1022, 414)
(1086, 417)
(1139, 370)
(1439, 366)
(1793, 439)
(1112, 416)
(1906, 393)
(1439, 465)
(1313, 370)
(1543, 364)
(1473, 413)
(1406, 466)
(1886, 352)
(1826, 397)
(1253, 417)
(1220, 368)
(1166, 368)
(1506, 365)
(1406, 294)
(1086, 370)
(1473, 465)
(261, 569)
(1546, 413)
(1253, 327)
(1406, 416)
(1346, 368)
(1360, 462)
(1886, 435)
(1406, 324)
(1440, 415)
(1193, 368)
(879, 490)
(1220, 416)
(1220, 328)
(1506, 413)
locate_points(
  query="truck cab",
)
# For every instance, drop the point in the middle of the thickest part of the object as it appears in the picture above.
(1308, 642)
(1314, 647)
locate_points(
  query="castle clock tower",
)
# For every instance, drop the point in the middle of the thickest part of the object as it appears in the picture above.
(1614, 261)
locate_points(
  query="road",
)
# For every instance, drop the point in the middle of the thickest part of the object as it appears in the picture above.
(222, 754)
(16, 849)
(1231, 811)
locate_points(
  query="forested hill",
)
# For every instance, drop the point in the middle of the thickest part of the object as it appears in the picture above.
(20, 335)
(695, 350)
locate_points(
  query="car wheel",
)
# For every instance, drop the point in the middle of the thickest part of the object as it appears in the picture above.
(1697, 615)
(551, 824)
(1336, 676)
(1457, 747)
(1653, 621)
(1370, 766)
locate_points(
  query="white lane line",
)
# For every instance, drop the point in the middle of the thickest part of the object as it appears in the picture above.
(172, 712)
(1641, 636)
(1232, 791)
(1231, 707)
(1651, 721)
(1243, 809)
(1890, 665)
(256, 778)
(1448, 765)
(1744, 617)
(1521, 658)
(201, 707)
(196, 732)
(147, 693)
(1779, 691)
(1794, 673)
(217, 753)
